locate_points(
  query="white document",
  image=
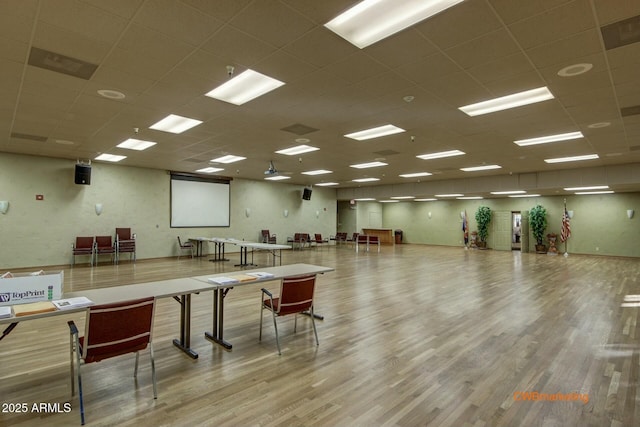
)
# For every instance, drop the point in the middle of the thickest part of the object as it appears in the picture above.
(69, 303)
(5, 312)
(260, 275)
(223, 280)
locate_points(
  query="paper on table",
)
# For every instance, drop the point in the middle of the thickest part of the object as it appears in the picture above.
(222, 280)
(69, 303)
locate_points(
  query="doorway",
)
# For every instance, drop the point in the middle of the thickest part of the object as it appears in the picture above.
(516, 231)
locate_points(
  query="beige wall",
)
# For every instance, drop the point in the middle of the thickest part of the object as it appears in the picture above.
(599, 226)
(40, 233)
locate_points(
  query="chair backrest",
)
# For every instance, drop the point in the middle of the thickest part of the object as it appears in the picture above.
(118, 328)
(265, 235)
(103, 241)
(84, 243)
(296, 294)
(374, 239)
(362, 238)
(123, 234)
(318, 237)
(183, 245)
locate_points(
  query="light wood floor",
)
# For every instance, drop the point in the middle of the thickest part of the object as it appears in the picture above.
(413, 335)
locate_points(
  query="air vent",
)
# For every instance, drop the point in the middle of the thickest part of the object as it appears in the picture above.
(61, 64)
(299, 129)
(621, 33)
(29, 137)
(630, 111)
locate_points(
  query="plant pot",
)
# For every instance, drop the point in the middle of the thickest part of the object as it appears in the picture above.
(481, 245)
(541, 249)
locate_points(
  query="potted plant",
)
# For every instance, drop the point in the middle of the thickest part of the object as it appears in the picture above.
(483, 218)
(538, 223)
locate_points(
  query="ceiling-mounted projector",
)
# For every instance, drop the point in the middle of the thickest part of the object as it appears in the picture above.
(271, 170)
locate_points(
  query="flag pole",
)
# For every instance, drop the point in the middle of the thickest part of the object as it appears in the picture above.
(566, 254)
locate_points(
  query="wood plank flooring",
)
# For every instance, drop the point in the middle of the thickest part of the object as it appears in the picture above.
(412, 336)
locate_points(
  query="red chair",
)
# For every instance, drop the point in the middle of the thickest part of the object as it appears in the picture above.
(125, 243)
(296, 296)
(83, 246)
(374, 240)
(104, 245)
(268, 237)
(319, 241)
(362, 239)
(113, 330)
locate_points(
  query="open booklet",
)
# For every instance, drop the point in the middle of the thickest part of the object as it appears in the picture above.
(69, 303)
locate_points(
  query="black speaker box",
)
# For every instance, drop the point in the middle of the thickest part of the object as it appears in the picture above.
(83, 174)
(306, 194)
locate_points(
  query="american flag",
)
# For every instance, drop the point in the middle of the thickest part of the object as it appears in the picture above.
(565, 233)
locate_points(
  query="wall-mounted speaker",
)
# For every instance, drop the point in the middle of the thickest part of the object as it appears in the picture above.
(83, 174)
(306, 194)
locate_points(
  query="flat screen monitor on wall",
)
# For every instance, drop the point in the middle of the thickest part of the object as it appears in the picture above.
(199, 201)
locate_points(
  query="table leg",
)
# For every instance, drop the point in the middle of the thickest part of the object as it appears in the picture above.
(185, 326)
(217, 335)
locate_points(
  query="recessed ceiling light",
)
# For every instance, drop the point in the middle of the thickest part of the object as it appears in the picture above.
(364, 199)
(481, 168)
(524, 195)
(574, 70)
(373, 20)
(572, 158)
(366, 179)
(136, 144)
(299, 149)
(469, 198)
(549, 138)
(110, 157)
(277, 177)
(510, 101)
(375, 132)
(449, 195)
(425, 200)
(403, 197)
(499, 193)
(210, 170)
(599, 125)
(415, 175)
(593, 187)
(229, 158)
(244, 87)
(594, 192)
(326, 184)
(175, 124)
(111, 94)
(389, 201)
(368, 165)
(441, 154)
(317, 172)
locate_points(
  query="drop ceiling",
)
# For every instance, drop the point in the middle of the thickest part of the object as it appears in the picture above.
(164, 55)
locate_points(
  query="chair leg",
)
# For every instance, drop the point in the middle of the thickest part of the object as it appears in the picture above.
(135, 369)
(313, 323)
(261, 311)
(153, 371)
(80, 397)
(275, 325)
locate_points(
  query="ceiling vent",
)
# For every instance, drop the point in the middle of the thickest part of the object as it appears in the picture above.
(37, 138)
(299, 129)
(630, 111)
(61, 64)
(621, 33)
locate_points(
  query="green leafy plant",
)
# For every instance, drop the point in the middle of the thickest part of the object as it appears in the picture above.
(483, 218)
(538, 222)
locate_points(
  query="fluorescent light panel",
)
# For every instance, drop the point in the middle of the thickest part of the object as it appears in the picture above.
(524, 195)
(389, 201)
(136, 144)
(110, 157)
(244, 87)
(572, 159)
(425, 200)
(593, 187)
(594, 192)
(481, 168)
(299, 149)
(175, 124)
(449, 195)
(326, 184)
(317, 172)
(375, 132)
(366, 179)
(365, 199)
(510, 101)
(277, 177)
(550, 138)
(368, 165)
(373, 20)
(469, 198)
(210, 170)
(441, 154)
(499, 193)
(402, 197)
(229, 158)
(415, 175)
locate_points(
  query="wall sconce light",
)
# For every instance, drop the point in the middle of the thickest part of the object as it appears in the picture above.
(462, 214)
(429, 215)
(317, 214)
(4, 206)
(247, 212)
(99, 208)
(630, 212)
(570, 213)
(285, 213)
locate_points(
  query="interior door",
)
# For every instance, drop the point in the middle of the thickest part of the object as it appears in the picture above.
(501, 231)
